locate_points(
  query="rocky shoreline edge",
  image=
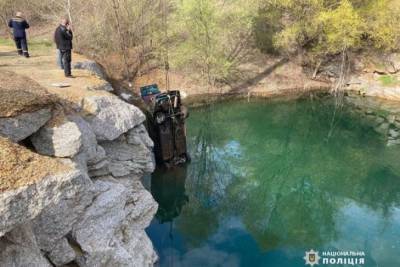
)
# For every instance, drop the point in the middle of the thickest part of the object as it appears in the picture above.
(85, 204)
(71, 191)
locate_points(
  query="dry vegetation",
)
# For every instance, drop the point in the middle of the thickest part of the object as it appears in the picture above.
(20, 166)
(20, 94)
(211, 39)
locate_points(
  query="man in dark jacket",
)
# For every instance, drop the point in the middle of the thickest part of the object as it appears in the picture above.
(19, 25)
(63, 38)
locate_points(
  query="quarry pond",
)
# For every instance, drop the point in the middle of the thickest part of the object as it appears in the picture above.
(270, 180)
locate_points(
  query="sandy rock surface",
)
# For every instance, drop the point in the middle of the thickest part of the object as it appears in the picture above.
(61, 199)
(22, 126)
(110, 117)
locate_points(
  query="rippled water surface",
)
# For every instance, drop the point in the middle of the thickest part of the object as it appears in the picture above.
(270, 180)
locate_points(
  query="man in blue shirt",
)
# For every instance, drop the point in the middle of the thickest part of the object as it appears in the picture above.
(19, 25)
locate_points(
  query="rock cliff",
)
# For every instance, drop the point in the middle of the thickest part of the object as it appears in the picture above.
(70, 181)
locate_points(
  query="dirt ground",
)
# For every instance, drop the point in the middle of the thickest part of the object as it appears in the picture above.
(26, 85)
(41, 67)
(262, 77)
(20, 94)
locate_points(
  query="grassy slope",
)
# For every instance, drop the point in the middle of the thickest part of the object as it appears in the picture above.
(36, 44)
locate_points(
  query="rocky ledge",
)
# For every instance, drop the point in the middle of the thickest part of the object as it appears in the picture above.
(381, 115)
(70, 189)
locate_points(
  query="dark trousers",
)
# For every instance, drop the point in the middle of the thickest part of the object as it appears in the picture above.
(66, 61)
(22, 46)
(59, 59)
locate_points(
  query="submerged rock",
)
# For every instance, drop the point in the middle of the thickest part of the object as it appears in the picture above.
(394, 142)
(383, 128)
(394, 133)
(20, 127)
(109, 117)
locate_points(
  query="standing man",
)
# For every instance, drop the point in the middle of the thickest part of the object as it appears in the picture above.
(19, 25)
(63, 38)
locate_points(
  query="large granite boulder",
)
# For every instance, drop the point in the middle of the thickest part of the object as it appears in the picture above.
(22, 126)
(60, 140)
(111, 232)
(140, 211)
(138, 245)
(62, 253)
(20, 205)
(141, 206)
(104, 86)
(139, 136)
(25, 106)
(93, 153)
(96, 228)
(126, 159)
(109, 116)
(91, 66)
(130, 154)
(104, 215)
(18, 248)
(51, 212)
(57, 219)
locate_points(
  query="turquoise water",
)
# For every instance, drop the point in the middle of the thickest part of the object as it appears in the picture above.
(271, 180)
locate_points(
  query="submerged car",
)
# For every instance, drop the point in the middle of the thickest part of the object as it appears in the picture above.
(167, 128)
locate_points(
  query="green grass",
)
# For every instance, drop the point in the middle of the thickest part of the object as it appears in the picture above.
(388, 80)
(35, 44)
(7, 42)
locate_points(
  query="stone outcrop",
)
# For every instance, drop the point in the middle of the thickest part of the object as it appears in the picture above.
(64, 140)
(109, 117)
(139, 136)
(376, 82)
(110, 230)
(21, 126)
(91, 66)
(93, 153)
(27, 202)
(22, 95)
(95, 69)
(62, 253)
(19, 248)
(101, 87)
(130, 158)
(382, 116)
(376, 76)
(94, 211)
(57, 219)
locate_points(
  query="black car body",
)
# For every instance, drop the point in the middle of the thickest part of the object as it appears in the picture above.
(167, 127)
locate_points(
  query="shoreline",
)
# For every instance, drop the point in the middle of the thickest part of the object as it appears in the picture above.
(198, 100)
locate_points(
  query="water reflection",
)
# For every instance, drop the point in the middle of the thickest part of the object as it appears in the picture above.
(264, 188)
(168, 189)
